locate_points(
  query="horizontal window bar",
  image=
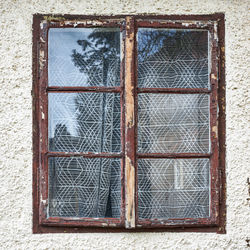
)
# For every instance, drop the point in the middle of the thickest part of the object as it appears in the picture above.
(79, 221)
(83, 89)
(157, 23)
(171, 155)
(173, 90)
(104, 24)
(177, 222)
(89, 155)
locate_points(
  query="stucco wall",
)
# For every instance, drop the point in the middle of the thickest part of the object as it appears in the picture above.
(16, 126)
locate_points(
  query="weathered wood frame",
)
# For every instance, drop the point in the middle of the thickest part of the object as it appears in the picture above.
(129, 221)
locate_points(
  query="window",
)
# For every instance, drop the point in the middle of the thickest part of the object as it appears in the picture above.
(128, 123)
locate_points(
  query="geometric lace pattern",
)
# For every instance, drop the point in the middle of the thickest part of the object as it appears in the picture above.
(173, 188)
(172, 58)
(173, 123)
(68, 67)
(84, 122)
(84, 187)
(90, 122)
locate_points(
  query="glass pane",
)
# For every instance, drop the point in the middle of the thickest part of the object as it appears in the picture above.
(170, 58)
(84, 187)
(173, 188)
(84, 57)
(173, 123)
(84, 122)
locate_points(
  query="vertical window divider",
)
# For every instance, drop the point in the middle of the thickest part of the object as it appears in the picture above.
(129, 124)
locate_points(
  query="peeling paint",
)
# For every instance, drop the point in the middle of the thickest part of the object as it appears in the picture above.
(216, 31)
(41, 60)
(84, 22)
(43, 201)
(130, 177)
(213, 76)
(41, 39)
(129, 128)
(215, 131)
(41, 25)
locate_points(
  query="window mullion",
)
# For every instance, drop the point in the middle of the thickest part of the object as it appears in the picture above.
(129, 125)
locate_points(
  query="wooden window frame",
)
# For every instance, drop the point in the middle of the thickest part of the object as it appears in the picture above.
(129, 221)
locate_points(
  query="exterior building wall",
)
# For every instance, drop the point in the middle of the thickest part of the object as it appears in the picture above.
(16, 126)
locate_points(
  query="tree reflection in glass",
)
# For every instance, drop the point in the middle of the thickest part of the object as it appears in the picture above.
(84, 57)
(84, 122)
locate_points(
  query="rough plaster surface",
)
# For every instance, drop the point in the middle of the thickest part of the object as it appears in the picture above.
(16, 126)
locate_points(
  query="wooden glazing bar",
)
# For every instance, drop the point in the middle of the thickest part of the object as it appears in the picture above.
(187, 222)
(222, 125)
(83, 89)
(182, 18)
(175, 24)
(82, 222)
(122, 107)
(214, 170)
(173, 155)
(174, 90)
(85, 18)
(136, 124)
(56, 228)
(89, 155)
(85, 23)
(129, 125)
(43, 119)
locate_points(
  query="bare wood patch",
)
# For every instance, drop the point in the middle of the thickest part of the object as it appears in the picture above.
(129, 126)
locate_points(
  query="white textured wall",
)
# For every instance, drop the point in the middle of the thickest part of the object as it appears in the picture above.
(16, 126)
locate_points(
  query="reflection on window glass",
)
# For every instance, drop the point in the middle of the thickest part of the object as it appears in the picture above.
(84, 57)
(84, 187)
(169, 58)
(84, 122)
